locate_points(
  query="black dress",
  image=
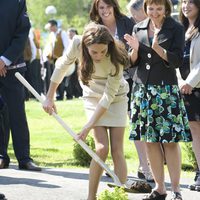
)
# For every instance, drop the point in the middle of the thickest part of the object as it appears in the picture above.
(192, 101)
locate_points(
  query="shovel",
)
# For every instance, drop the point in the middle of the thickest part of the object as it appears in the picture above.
(70, 131)
(129, 186)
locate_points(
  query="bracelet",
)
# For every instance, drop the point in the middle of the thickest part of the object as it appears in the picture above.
(132, 50)
(164, 52)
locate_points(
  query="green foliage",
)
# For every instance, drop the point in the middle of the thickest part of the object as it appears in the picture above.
(123, 4)
(117, 194)
(189, 156)
(187, 167)
(79, 23)
(66, 10)
(52, 146)
(70, 12)
(81, 157)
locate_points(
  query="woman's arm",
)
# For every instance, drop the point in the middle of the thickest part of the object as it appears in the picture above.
(62, 66)
(158, 49)
(48, 104)
(175, 52)
(133, 42)
(64, 63)
(99, 111)
(110, 91)
(193, 78)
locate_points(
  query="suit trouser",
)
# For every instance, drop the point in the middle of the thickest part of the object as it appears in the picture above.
(4, 129)
(73, 87)
(13, 94)
(35, 71)
(49, 70)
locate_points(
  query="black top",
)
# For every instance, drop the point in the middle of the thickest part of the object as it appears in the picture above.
(152, 69)
(124, 25)
(1, 103)
(185, 68)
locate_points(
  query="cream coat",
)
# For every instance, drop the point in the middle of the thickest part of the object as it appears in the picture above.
(193, 78)
(104, 89)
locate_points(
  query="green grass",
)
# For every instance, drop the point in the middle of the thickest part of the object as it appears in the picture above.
(52, 146)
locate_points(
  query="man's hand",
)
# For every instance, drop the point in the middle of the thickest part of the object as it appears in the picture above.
(3, 70)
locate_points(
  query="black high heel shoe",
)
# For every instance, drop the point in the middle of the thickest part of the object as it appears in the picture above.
(196, 185)
(155, 196)
(176, 196)
(196, 175)
(147, 175)
(2, 197)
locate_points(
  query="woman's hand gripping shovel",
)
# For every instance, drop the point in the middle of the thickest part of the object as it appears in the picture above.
(116, 180)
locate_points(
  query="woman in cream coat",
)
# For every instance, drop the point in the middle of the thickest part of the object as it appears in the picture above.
(104, 94)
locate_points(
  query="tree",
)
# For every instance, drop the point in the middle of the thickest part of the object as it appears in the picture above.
(66, 11)
(70, 12)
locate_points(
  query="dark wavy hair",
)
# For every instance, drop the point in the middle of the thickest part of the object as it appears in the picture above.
(99, 34)
(166, 3)
(185, 22)
(94, 14)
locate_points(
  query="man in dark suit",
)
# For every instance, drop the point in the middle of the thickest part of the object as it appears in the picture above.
(15, 27)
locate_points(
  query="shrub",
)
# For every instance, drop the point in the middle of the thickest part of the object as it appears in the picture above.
(116, 194)
(187, 167)
(80, 155)
(189, 156)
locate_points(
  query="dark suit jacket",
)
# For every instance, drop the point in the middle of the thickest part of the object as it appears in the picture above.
(152, 69)
(124, 25)
(15, 26)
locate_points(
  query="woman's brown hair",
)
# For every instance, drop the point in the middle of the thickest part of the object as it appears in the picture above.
(184, 20)
(99, 34)
(166, 3)
(94, 14)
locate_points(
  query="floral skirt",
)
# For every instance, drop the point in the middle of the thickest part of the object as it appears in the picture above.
(158, 114)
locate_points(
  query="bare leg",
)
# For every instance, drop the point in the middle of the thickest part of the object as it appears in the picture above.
(155, 156)
(102, 149)
(141, 150)
(195, 130)
(117, 152)
(173, 158)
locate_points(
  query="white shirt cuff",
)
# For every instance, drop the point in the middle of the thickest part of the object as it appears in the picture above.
(6, 61)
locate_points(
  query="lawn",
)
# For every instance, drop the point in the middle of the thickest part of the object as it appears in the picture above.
(52, 146)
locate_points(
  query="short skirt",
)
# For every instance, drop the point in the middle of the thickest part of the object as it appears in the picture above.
(158, 114)
(115, 116)
(192, 104)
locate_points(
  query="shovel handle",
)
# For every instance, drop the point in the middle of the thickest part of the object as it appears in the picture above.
(70, 131)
